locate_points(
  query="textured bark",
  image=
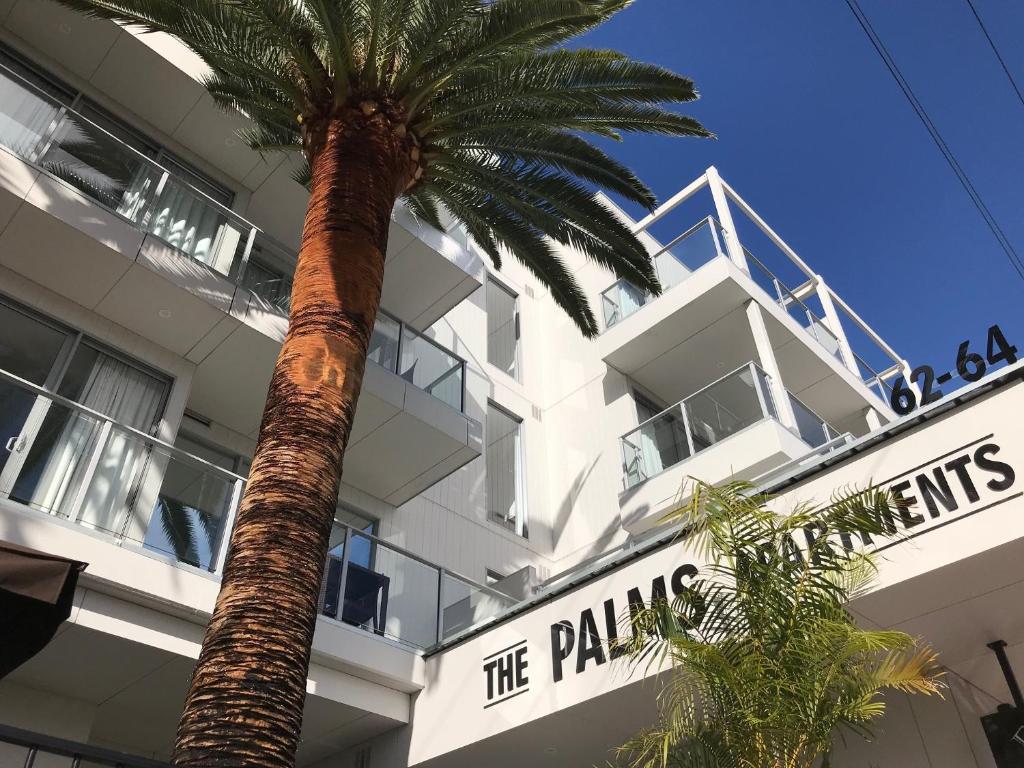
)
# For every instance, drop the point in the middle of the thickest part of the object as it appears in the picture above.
(244, 706)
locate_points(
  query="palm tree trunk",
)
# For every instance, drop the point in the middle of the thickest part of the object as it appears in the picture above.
(244, 706)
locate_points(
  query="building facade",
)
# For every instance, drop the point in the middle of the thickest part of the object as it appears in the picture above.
(496, 457)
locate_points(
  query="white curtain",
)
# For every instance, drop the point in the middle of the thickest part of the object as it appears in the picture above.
(631, 298)
(127, 395)
(647, 462)
(193, 225)
(138, 194)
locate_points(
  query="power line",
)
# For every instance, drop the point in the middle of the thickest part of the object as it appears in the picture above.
(992, 44)
(947, 153)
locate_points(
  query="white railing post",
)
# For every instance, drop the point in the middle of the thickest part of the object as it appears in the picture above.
(732, 241)
(102, 438)
(872, 418)
(768, 363)
(835, 325)
(229, 525)
(439, 629)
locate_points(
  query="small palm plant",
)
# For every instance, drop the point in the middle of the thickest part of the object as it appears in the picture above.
(476, 107)
(768, 665)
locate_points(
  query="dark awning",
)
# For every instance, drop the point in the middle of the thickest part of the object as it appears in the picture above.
(36, 593)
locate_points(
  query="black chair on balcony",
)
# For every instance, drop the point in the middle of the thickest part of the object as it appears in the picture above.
(366, 595)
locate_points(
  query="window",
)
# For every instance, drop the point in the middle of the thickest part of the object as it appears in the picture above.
(506, 498)
(79, 142)
(502, 328)
(49, 446)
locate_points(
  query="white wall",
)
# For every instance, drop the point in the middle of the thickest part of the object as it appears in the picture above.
(924, 732)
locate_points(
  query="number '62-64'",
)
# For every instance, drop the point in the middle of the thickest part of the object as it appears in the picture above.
(970, 366)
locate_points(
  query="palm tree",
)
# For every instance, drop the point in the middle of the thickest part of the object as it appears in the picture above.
(473, 106)
(768, 665)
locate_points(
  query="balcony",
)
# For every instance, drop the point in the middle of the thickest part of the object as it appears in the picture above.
(24, 749)
(80, 468)
(387, 590)
(108, 222)
(716, 274)
(662, 453)
(75, 467)
(410, 430)
(673, 263)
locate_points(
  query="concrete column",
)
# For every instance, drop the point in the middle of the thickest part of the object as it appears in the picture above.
(874, 421)
(835, 325)
(732, 241)
(767, 361)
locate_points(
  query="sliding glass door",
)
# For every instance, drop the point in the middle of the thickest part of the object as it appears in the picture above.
(31, 350)
(52, 452)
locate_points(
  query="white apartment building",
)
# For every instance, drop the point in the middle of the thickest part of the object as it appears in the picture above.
(502, 471)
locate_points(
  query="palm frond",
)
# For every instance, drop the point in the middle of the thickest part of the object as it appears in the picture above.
(485, 91)
(767, 661)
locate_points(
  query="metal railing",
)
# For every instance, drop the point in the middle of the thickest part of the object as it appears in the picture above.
(724, 407)
(25, 749)
(728, 405)
(622, 299)
(795, 308)
(813, 429)
(419, 360)
(673, 263)
(73, 463)
(76, 464)
(371, 583)
(43, 131)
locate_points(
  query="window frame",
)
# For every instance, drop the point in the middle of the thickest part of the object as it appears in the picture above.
(75, 339)
(521, 525)
(124, 130)
(517, 362)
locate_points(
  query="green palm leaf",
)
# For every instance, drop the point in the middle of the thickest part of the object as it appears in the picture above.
(483, 87)
(767, 662)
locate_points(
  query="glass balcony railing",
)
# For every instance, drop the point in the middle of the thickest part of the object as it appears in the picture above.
(720, 410)
(797, 309)
(419, 360)
(69, 462)
(75, 464)
(813, 429)
(384, 589)
(40, 129)
(673, 264)
(693, 249)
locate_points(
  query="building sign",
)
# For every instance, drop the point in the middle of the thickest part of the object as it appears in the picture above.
(506, 674)
(596, 645)
(957, 474)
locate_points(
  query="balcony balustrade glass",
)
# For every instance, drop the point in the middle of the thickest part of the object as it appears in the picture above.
(797, 309)
(141, 493)
(39, 128)
(66, 460)
(379, 587)
(672, 264)
(419, 360)
(723, 408)
(813, 429)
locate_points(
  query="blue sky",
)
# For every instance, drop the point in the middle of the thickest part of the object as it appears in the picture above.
(814, 133)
